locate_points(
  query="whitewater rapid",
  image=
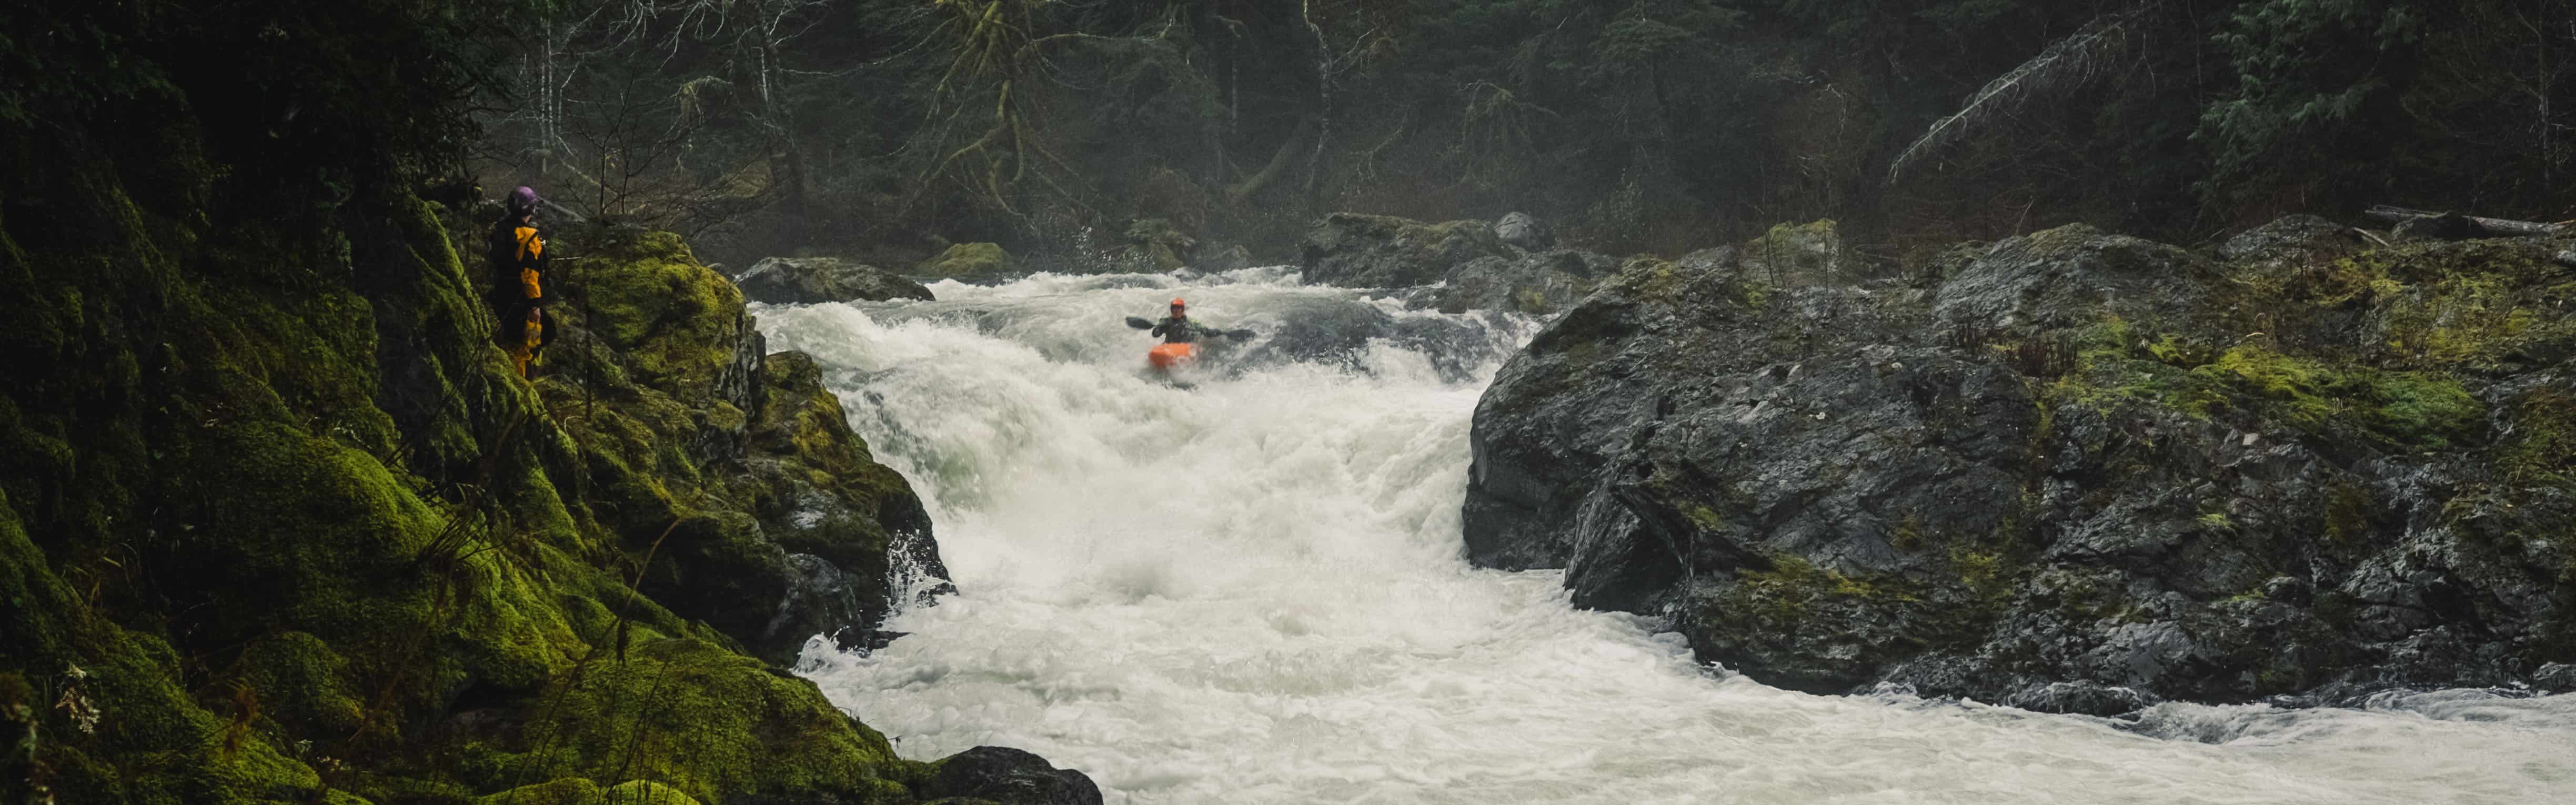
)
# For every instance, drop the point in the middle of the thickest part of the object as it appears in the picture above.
(1251, 591)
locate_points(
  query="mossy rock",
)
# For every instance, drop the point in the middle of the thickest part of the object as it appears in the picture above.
(969, 261)
(692, 715)
(676, 321)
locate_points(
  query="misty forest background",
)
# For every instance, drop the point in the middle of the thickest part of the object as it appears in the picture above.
(1066, 129)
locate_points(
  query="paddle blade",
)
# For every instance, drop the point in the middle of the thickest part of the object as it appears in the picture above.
(1140, 324)
(1239, 335)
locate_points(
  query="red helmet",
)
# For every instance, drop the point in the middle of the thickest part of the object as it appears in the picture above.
(1177, 303)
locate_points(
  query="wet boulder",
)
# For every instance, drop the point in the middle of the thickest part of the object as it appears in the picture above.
(816, 280)
(1539, 284)
(855, 539)
(2062, 476)
(1353, 250)
(1008, 776)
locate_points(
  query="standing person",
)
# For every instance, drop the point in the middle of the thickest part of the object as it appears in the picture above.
(518, 254)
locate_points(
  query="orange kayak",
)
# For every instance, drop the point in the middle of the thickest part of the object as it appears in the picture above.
(1166, 356)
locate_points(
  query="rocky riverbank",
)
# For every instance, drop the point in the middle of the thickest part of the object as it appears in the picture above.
(285, 525)
(2071, 471)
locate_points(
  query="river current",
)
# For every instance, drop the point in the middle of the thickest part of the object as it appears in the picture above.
(1251, 591)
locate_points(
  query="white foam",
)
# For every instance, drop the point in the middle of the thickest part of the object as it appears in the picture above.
(1252, 592)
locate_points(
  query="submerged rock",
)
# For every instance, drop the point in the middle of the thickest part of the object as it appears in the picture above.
(815, 280)
(2064, 477)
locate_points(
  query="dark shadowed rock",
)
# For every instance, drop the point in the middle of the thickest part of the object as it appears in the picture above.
(2065, 478)
(1009, 777)
(2446, 226)
(815, 280)
(1352, 250)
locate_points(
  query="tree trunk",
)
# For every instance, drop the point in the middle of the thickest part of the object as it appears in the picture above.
(1278, 164)
(1323, 104)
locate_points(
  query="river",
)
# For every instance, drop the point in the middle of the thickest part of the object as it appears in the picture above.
(1251, 591)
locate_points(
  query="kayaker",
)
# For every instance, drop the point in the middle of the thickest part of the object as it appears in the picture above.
(1178, 329)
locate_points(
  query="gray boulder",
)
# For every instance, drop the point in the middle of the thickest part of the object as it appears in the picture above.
(2293, 240)
(815, 280)
(1353, 250)
(1211, 256)
(2072, 277)
(1541, 283)
(2063, 478)
(1522, 230)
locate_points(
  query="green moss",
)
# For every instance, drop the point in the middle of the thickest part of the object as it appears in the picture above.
(303, 684)
(2416, 410)
(2115, 365)
(2473, 305)
(580, 791)
(1984, 573)
(693, 716)
(674, 320)
(1909, 533)
(1532, 301)
(2540, 445)
(261, 498)
(2346, 518)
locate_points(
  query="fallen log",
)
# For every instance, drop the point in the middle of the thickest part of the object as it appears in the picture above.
(2482, 227)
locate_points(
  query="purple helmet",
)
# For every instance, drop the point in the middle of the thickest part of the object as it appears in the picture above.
(523, 199)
